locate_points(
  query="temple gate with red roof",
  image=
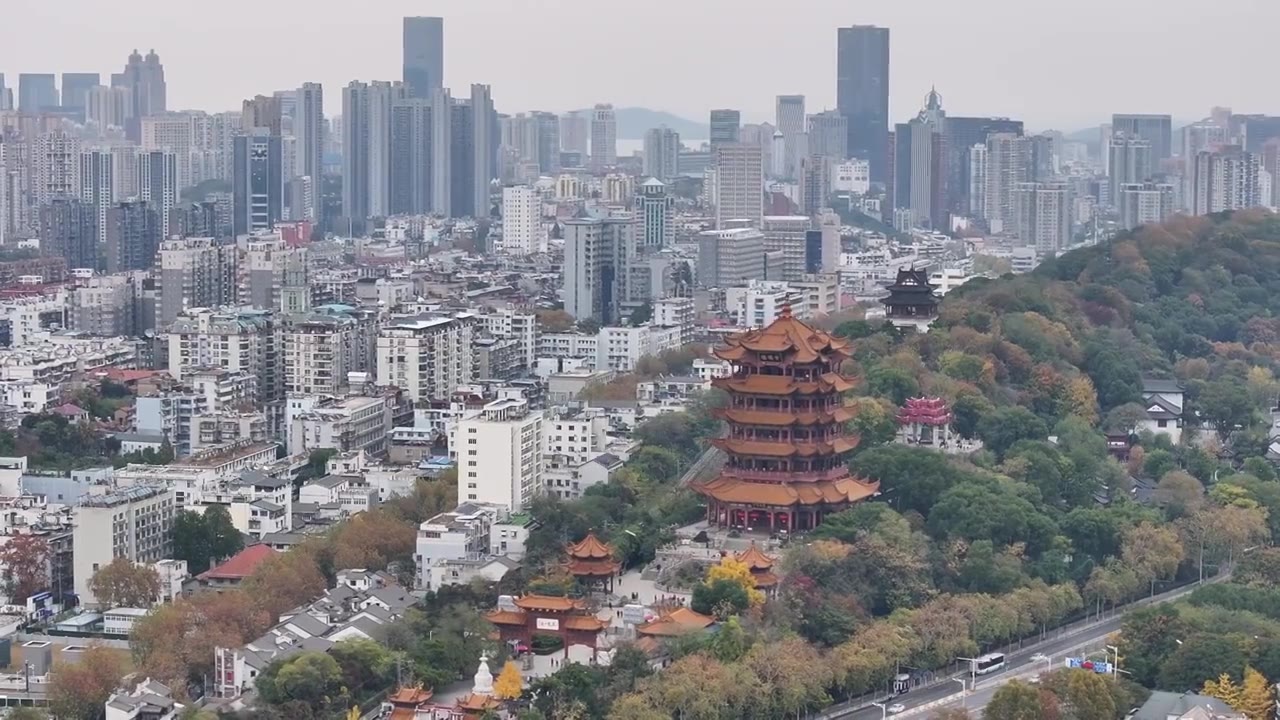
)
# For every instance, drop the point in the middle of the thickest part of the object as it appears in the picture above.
(926, 421)
(761, 567)
(591, 563)
(787, 441)
(548, 615)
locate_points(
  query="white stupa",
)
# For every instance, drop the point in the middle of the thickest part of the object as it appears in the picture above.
(484, 678)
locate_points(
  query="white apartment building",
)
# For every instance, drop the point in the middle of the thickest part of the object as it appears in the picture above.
(498, 450)
(134, 523)
(348, 493)
(428, 357)
(518, 326)
(708, 370)
(463, 534)
(352, 424)
(676, 312)
(620, 348)
(567, 345)
(239, 340)
(788, 235)
(321, 348)
(522, 232)
(821, 293)
(739, 186)
(851, 176)
(760, 303)
(28, 317)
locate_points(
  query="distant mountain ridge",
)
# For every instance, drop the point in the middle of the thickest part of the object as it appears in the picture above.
(634, 121)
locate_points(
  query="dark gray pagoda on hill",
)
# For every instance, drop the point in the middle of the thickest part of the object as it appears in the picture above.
(911, 303)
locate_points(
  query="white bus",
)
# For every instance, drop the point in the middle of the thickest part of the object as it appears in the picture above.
(989, 663)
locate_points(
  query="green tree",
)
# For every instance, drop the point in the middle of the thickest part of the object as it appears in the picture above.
(365, 664)
(1014, 700)
(967, 411)
(204, 538)
(893, 383)
(1001, 429)
(311, 677)
(1201, 657)
(721, 598)
(730, 642)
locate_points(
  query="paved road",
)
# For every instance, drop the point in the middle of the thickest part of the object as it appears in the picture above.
(1018, 664)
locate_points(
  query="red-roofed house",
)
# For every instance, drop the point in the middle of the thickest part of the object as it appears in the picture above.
(72, 412)
(232, 572)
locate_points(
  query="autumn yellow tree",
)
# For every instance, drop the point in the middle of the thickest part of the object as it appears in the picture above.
(1256, 698)
(1225, 689)
(509, 684)
(734, 570)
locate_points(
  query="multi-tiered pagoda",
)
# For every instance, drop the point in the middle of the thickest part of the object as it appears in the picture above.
(787, 442)
(911, 303)
(591, 563)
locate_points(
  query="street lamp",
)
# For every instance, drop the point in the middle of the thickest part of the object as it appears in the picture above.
(884, 709)
(1115, 667)
(964, 692)
(1048, 663)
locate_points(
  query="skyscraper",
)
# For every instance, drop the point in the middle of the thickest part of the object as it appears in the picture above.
(97, 186)
(1044, 217)
(790, 121)
(604, 137)
(661, 153)
(157, 185)
(920, 171)
(69, 229)
(262, 111)
(484, 131)
(258, 185)
(828, 135)
(1130, 160)
(548, 130)
(441, 152)
(75, 91)
(961, 135)
(366, 148)
(1226, 179)
(1155, 129)
(1008, 166)
(6, 101)
(309, 129)
(522, 221)
(739, 186)
(423, 56)
(597, 252)
(37, 92)
(144, 77)
(862, 93)
(726, 127)
(108, 107)
(656, 210)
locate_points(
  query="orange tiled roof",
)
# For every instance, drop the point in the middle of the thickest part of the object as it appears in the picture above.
(590, 548)
(587, 623)
(677, 622)
(781, 418)
(755, 558)
(409, 696)
(832, 492)
(549, 603)
(786, 334)
(785, 448)
(593, 567)
(757, 384)
(476, 702)
(765, 579)
(506, 617)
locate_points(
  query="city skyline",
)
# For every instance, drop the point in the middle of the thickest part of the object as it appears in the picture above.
(933, 45)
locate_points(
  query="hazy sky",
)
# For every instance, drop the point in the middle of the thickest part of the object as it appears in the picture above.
(1063, 65)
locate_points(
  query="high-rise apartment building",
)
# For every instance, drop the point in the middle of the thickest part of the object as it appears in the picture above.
(961, 136)
(726, 127)
(37, 93)
(575, 133)
(597, 254)
(135, 523)
(1008, 166)
(920, 171)
(157, 173)
(484, 137)
(262, 112)
(548, 133)
(195, 273)
(423, 56)
(75, 92)
(258, 187)
(661, 153)
(739, 183)
(98, 185)
(237, 340)
(1130, 162)
(862, 94)
(107, 107)
(1144, 203)
(411, 157)
(656, 210)
(69, 229)
(1155, 129)
(1044, 217)
(133, 237)
(55, 163)
(1226, 179)
(522, 232)
(442, 152)
(787, 236)
(428, 357)
(499, 454)
(321, 348)
(268, 269)
(604, 138)
(367, 110)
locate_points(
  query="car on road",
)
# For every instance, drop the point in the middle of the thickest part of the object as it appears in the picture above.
(1039, 657)
(896, 708)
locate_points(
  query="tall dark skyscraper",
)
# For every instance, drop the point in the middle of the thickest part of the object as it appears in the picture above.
(75, 91)
(258, 185)
(411, 157)
(144, 77)
(862, 94)
(69, 229)
(37, 92)
(423, 55)
(726, 127)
